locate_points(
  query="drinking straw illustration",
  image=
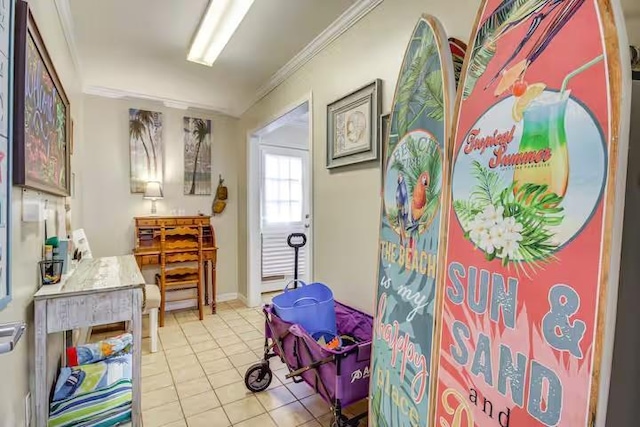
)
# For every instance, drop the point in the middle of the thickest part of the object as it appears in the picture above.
(568, 9)
(584, 67)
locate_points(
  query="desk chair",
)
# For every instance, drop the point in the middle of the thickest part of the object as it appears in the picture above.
(180, 248)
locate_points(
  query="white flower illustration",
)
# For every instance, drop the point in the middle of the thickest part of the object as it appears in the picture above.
(510, 248)
(492, 214)
(497, 234)
(511, 226)
(486, 243)
(478, 229)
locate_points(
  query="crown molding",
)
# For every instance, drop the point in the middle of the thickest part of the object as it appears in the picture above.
(338, 27)
(66, 22)
(106, 92)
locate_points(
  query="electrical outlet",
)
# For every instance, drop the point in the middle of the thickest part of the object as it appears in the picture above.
(27, 410)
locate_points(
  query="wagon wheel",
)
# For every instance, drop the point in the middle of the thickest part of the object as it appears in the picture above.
(258, 377)
(341, 421)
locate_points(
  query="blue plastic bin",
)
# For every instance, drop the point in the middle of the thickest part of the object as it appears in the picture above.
(311, 306)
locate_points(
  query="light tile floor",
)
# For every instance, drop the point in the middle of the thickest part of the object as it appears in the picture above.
(196, 379)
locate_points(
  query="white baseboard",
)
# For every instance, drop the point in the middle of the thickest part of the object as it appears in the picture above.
(191, 303)
(243, 299)
(227, 297)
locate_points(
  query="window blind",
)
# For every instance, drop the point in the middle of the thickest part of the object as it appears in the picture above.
(278, 259)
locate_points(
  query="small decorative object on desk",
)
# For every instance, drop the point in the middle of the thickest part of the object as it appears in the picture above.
(50, 271)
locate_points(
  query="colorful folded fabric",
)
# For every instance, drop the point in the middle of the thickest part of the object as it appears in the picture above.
(83, 379)
(90, 353)
(108, 406)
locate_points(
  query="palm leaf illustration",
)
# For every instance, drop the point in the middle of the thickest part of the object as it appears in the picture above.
(420, 89)
(431, 95)
(487, 187)
(466, 210)
(507, 16)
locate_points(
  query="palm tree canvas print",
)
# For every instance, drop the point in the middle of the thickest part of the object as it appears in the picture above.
(145, 142)
(197, 156)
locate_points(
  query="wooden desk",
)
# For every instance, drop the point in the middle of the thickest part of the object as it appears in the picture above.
(99, 291)
(147, 246)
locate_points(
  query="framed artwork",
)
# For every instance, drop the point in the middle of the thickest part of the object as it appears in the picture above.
(42, 115)
(197, 156)
(71, 139)
(352, 126)
(145, 144)
(6, 130)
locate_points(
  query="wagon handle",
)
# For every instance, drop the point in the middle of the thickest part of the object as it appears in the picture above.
(293, 244)
(296, 247)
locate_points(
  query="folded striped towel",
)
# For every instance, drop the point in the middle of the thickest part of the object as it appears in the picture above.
(108, 406)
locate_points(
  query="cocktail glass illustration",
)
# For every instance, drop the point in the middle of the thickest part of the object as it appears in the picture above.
(544, 129)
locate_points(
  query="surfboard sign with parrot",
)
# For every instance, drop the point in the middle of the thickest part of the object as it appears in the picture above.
(414, 171)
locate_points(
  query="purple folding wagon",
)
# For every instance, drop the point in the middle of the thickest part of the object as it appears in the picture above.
(340, 376)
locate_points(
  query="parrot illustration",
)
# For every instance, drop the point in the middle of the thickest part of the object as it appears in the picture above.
(418, 205)
(402, 197)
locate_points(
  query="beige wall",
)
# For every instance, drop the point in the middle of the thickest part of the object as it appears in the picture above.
(107, 203)
(27, 239)
(346, 202)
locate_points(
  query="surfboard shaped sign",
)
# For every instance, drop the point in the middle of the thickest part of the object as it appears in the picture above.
(410, 231)
(538, 175)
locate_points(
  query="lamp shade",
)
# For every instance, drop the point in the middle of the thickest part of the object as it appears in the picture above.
(153, 191)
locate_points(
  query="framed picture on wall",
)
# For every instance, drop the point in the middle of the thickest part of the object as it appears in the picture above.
(42, 120)
(197, 156)
(145, 148)
(352, 127)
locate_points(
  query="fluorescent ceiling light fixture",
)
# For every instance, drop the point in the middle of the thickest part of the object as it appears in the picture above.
(220, 21)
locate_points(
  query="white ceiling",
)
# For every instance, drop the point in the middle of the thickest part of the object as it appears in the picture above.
(139, 47)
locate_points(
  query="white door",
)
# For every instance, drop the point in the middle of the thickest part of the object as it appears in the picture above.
(284, 209)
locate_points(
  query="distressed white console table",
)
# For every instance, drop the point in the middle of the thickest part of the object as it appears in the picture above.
(99, 291)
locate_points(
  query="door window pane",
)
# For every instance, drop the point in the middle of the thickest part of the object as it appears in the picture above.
(271, 166)
(282, 189)
(271, 189)
(296, 169)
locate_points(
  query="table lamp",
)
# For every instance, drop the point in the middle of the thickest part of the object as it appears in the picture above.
(153, 192)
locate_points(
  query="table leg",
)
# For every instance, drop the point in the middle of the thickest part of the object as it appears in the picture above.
(136, 370)
(41, 394)
(206, 282)
(213, 288)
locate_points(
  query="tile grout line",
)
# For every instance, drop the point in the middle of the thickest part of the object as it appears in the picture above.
(199, 364)
(240, 340)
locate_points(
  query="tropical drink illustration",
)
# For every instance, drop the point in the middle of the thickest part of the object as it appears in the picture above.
(544, 133)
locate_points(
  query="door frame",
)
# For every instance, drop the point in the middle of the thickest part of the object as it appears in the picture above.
(254, 281)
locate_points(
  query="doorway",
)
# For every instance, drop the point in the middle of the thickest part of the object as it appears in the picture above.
(279, 192)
